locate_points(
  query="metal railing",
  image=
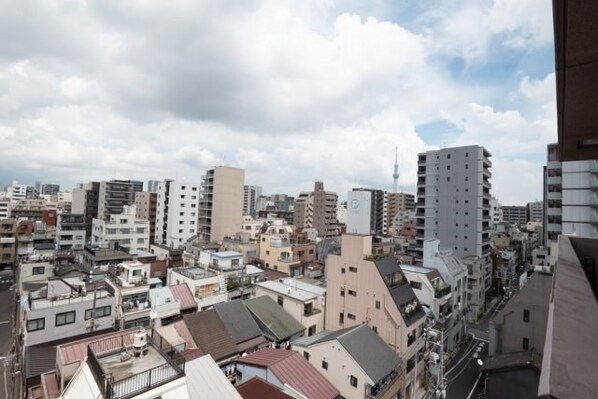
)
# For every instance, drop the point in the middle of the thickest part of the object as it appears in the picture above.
(440, 292)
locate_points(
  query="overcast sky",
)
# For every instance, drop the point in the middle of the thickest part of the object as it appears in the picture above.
(290, 91)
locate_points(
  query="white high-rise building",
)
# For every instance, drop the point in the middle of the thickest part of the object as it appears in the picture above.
(570, 197)
(250, 196)
(453, 204)
(16, 191)
(123, 228)
(177, 212)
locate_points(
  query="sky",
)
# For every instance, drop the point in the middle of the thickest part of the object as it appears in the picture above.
(291, 91)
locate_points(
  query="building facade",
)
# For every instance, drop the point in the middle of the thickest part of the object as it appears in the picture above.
(250, 196)
(70, 232)
(8, 243)
(514, 214)
(453, 205)
(535, 211)
(221, 203)
(176, 212)
(367, 211)
(123, 228)
(147, 207)
(317, 209)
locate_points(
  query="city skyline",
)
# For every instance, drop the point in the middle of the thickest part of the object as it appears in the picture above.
(292, 93)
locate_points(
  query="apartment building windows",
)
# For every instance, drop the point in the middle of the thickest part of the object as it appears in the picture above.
(526, 315)
(341, 318)
(38, 270)
(280, 300)
(525, 343)
(353, 381)
(350, 316)
(352, 269)
(342, 291)
(377, 304)
(324, 364)
(416, 284)
(306, 355)
(103, 311)
(352, 293)
(65, 318)
(36, 324)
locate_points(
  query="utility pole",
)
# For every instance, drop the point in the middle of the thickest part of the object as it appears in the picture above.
(439, 389)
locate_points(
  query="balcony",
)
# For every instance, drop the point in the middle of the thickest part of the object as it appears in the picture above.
(129, 306)
(288, 259)
(390, 383)
(594, 202)
(440, 292)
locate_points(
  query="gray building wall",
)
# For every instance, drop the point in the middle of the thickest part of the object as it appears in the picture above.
(508, 328)
(453, 201)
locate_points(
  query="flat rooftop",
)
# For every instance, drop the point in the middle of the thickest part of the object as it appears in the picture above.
(195, 273)
(112, 364)
(287, 290)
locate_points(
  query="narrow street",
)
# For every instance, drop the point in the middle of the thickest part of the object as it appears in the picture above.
(6, 299)
(463, 371)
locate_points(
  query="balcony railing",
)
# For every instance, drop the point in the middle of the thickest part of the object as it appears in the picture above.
(440, 292)
(381, 387)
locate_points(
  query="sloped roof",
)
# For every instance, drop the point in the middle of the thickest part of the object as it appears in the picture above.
(205, 380)
(256, 388)
(368, 350)
(39, 360)
(238, 321)
(183, 295)
(294, 370)
(273, 319)
(210, 334)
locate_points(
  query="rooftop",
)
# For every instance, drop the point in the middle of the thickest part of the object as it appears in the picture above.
(194, 273)
(273, 320)
(206, 380)
(256, 388)
(287, 290)
(227, 254)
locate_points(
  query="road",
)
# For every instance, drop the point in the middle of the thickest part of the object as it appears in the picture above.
(6, 307)
(463, 371)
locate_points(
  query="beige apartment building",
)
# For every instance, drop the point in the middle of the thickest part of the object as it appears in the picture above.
(276, 252)
(371, 289)
(317, 209)
(8, 243)
(398, 202)
(221, 203)
(147, 206)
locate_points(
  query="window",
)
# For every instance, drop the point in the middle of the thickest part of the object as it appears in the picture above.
(280, 300)
(350, 316)
(341, 318)
(324, 364)
(65, 318)
(342, 291)
(353, 381)
(267, 252)
(448, 167)
(377, 304)
(38, 270)
(448, 179)
(342, 270)
(104, 311)
(526, 315)
(466, 166)
(525, 343)
(352, 293)
(352, 269)
(416, 284)
(306, 354)
(36, 324)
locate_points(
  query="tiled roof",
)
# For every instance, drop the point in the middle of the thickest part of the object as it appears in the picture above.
(273, 319)
(238, 321)
(256, 388)
(182, 293)
(292, 369)
(210, 334)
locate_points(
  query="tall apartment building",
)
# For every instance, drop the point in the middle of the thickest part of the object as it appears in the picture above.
(152, 186)
(146, 204)
(8, 243)
(570, 196)
(123, 228)
(398, 203)
(113, 196)
(495, 212)
(85, 202)
(514, 214)
(367, 211)
(4, 208)
(50, 189)
(317, 209)
(282, 202)
(221, 203)
(535, 211)
(176, 212)
(70, 232)
(453, 202)
(16, 191)
(250, 196)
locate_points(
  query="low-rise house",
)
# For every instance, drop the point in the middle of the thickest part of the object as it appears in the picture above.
(172, 255)
(287, 370)
(65, 308)
(241, 326)
(96, 257)
(70, 232)
(212, 337)
(356, 360)
(257, 388)
(168, 306)
(130, 286)
(205, 380)
(276, 252)
(277, 325)
(208, 287)
(303, 301)
(39, 270)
